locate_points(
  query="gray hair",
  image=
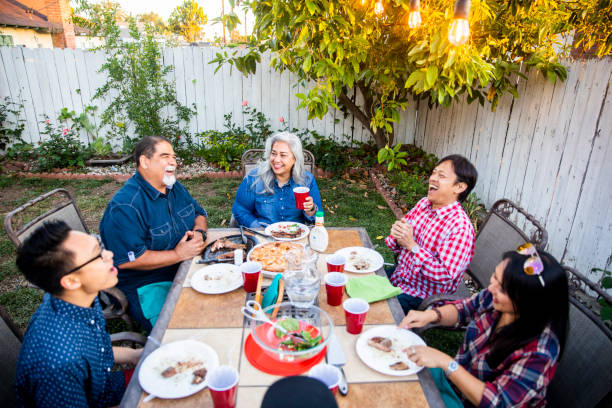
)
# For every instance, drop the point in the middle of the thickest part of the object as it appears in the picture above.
(264, 170)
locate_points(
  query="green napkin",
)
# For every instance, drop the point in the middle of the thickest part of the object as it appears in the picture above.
(151, 298)
(269, 298)
(371, 288)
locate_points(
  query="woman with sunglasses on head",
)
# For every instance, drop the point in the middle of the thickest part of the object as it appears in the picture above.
(515, 337)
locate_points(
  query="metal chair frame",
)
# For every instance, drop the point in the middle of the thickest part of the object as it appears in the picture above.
(503, 209)
(111, 310)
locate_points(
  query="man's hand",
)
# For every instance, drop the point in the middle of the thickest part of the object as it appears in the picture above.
(309, 206)
(402, 232)
(189, 246)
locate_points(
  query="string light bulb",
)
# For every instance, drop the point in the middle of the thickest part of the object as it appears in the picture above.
(363, 2)
(459, 31)
(414, 15)
(378, 7)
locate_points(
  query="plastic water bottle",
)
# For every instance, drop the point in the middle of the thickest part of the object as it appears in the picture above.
(319, 239)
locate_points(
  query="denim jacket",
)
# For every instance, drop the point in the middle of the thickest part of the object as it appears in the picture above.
(253, 206)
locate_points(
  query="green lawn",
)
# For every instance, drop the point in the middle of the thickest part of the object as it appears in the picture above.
(346, 203)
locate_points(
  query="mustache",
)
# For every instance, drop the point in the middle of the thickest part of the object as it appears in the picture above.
(169, 168)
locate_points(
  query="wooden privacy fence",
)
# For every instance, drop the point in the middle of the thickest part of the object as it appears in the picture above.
(549, 150)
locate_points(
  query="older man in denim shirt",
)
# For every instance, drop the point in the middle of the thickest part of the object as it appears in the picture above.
(152, 224)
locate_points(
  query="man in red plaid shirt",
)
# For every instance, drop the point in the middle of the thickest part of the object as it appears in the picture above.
(435, 240)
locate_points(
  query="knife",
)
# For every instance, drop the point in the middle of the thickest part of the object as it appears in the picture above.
(335, 357)
(208, 260)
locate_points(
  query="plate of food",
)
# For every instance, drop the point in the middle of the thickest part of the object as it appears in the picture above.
(223, 248)
(217, 278)
(271, 255)
(287, 231)
(361, 259)
(385, 349)
(177, 369)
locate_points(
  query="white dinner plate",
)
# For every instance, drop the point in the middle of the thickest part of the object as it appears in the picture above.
(217, 278)
(280, 226)
(379, 360)
(354, 255)
(179, 385)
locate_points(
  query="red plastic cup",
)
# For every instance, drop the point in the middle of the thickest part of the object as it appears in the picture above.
(334, 286)
(328, 375)
(355, 311)
(250, 275)
(335, 263)
(223, 383)
(300, 194)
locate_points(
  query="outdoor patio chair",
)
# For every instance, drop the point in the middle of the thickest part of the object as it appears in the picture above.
(584, 374)
(10, 342)
(500, 232)
(251, 158)
(583, 377)
(59, 204)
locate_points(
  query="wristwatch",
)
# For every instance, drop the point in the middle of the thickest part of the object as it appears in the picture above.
(415, 249)
(452, 367)
(201, 231)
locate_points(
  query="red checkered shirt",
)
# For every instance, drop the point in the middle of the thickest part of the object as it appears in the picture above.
(446, 240)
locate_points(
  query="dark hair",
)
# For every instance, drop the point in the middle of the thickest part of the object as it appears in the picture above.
(465, 171)
(535, 306)
(146, 147)
(42, 259)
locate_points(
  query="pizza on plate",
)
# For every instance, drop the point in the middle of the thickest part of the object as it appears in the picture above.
(271, 256)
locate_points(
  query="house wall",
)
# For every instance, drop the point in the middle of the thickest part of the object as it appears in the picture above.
(549, 150)
(28, 37)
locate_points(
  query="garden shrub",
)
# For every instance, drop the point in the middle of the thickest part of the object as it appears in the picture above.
(11, 123)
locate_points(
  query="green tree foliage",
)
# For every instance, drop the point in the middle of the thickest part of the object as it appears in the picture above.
(154, 20)
(592, 20)
(187, 20)
(142, 100)
(342, 45)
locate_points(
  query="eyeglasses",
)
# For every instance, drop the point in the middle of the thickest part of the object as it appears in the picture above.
(92, 259)
(533, 265)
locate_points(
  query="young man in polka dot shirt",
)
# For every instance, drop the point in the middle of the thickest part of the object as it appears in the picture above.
(66, 357)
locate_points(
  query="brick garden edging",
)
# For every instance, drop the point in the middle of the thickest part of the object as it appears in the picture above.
(123, 177)
(386, 196)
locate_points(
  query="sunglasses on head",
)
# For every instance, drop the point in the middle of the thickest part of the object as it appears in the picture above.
(533, 265)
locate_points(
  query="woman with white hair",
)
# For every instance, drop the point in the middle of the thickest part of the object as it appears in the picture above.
(266, 193)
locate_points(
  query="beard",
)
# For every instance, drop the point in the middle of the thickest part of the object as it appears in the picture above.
(169, 180)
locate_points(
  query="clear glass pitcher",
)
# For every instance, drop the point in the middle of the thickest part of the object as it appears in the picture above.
(302, 277)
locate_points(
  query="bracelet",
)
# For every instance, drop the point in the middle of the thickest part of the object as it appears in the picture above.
(438, 313)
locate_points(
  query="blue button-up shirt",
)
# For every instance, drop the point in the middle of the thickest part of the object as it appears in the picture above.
(254, 206)
(138, 218)
(66, 358)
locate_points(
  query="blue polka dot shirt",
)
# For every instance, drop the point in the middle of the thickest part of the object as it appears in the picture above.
(66, 358)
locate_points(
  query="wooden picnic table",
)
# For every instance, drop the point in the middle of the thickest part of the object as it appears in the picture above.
(217, 320)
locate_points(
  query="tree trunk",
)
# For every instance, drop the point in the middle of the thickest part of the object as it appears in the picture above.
(379, 136)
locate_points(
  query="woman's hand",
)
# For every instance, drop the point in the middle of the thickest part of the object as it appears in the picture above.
(416, 318)
(428, 357)
(309, 206)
